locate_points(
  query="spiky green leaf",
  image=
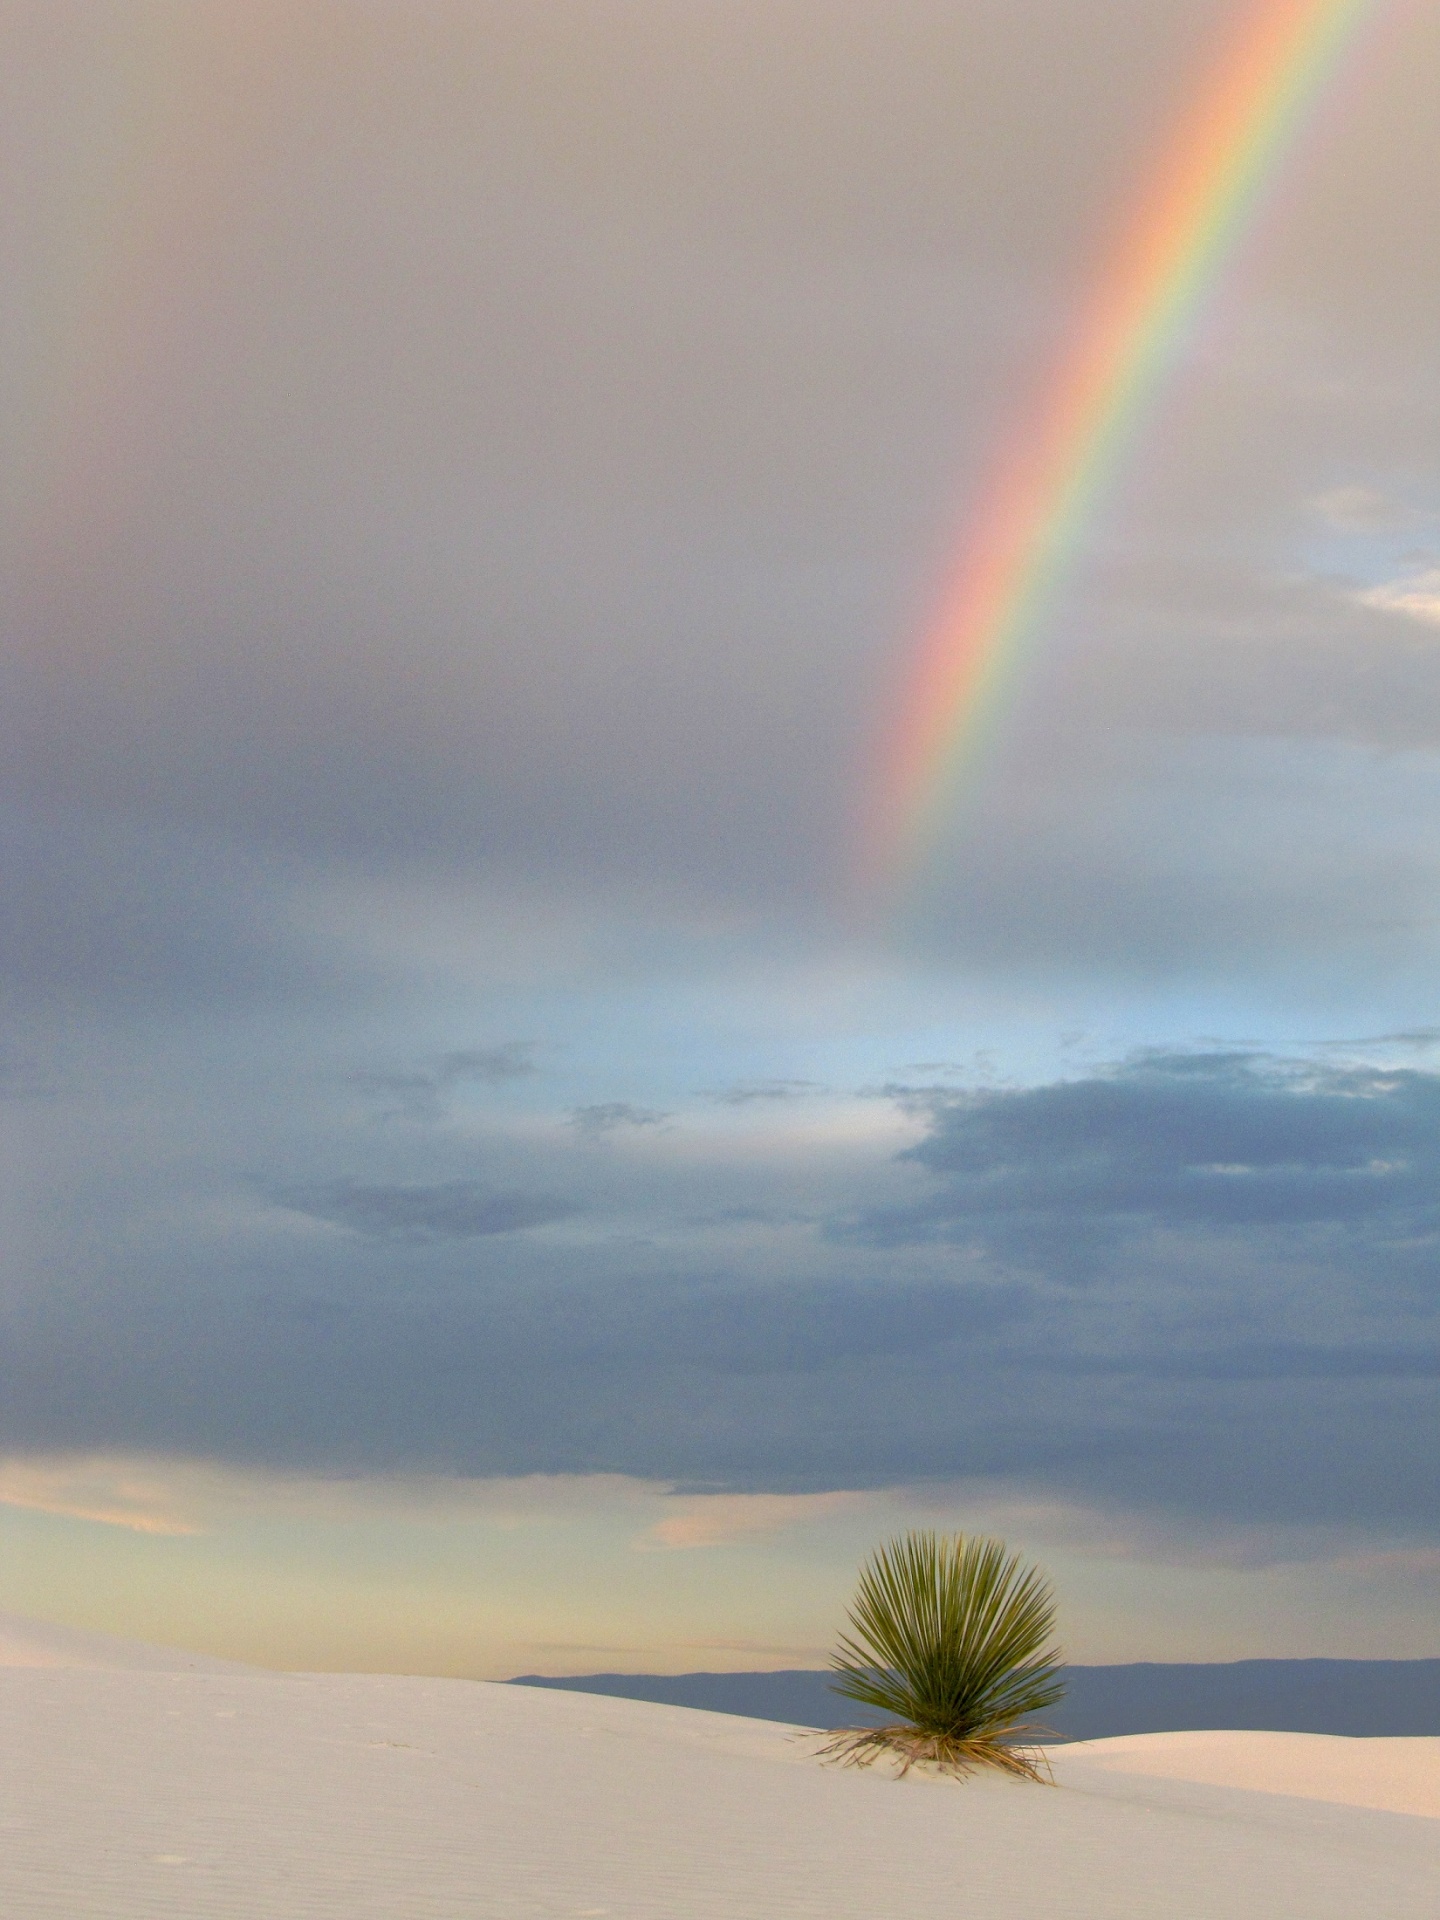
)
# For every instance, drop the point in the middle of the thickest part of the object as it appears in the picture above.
(953, 1636)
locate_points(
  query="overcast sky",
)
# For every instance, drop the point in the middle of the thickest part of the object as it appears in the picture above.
(478, 1192)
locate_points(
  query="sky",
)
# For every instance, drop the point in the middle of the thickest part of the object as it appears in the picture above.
(485, 1189)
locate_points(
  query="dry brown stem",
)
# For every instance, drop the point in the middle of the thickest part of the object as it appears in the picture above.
(910, 1747)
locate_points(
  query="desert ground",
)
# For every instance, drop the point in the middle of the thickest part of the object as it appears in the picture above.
(139, 1782)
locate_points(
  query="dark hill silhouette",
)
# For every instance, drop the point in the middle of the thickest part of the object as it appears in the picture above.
(1283, 1696)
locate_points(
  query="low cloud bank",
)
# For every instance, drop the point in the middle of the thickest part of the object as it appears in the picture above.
(1191, 1285)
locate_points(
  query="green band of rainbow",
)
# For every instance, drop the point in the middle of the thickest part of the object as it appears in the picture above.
(1057, 469)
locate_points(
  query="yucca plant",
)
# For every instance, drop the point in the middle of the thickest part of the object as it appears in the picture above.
(952, 1637)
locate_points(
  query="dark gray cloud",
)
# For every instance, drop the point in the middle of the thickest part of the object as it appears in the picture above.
(453, 1210)
(1203, 1284)
(1212, 1142)
(721, 1384)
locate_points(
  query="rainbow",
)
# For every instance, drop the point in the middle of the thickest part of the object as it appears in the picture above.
(1056, 469)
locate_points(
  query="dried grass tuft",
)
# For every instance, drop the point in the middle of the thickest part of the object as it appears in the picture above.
(909, 1747)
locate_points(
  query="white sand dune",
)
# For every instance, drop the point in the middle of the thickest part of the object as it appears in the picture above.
(218, 1796)
(1398, 1775)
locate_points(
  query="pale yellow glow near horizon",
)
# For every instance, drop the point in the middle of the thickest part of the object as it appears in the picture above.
(588, 1573)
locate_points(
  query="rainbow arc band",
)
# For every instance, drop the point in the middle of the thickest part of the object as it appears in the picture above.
(1059, 465)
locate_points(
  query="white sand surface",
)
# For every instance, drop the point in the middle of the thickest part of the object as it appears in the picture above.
(129, 1793)
(1399, 1775)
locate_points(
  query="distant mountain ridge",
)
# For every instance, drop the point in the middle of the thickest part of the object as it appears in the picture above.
(1357, 1697)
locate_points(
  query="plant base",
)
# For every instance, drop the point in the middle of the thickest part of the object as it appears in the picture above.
(954, 1754)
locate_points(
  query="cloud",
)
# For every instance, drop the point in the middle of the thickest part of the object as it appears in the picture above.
(452, 1210)
(1357, 509)
(723, 1519)
(175, 1497)
(746, 1093)
(1417, 596)
(487, 1065)
(1188, 1284)
(1199, 1145)
(613, 1114)
(419, 1093)
(135, 1496)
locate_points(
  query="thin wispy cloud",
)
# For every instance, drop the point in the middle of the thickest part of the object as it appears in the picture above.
(719, 1520)
(1360, 509)
(611, 1116)
(134, 1498)
(1416, 596)
(747, 1093)
(422, 1092)
(451, 1210)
